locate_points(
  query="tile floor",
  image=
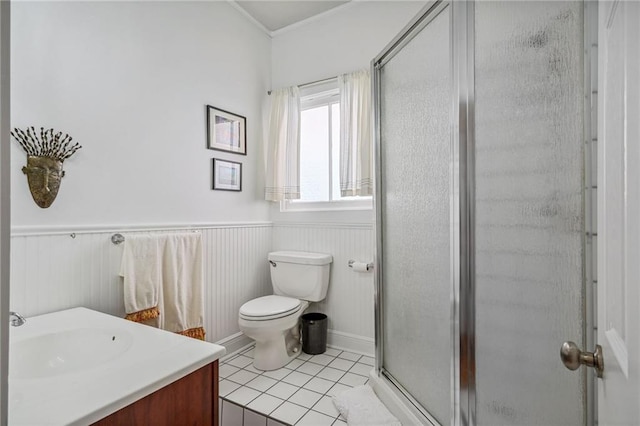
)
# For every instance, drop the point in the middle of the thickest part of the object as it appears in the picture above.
(297, 394)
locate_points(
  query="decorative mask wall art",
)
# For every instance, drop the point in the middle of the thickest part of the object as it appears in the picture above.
(45, 154)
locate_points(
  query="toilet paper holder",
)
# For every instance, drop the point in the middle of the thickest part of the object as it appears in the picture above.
(369, 265)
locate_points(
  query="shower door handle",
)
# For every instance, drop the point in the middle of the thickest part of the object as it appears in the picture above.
(572, 357)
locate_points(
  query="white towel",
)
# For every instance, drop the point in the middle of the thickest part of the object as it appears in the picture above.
(141, 270)
(361, 407)
(182, 304)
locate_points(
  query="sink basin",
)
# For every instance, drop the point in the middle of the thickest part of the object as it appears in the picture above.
(66, 352)
(77, 366)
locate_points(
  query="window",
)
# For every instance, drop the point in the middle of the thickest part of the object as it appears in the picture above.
(320, 153)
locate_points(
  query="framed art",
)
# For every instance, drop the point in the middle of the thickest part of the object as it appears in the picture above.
(226, 131)
(227, 175)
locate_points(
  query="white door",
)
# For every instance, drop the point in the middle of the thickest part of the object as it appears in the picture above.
(618, 315)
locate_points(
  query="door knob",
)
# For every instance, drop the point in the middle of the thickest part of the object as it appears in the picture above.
(573, 357)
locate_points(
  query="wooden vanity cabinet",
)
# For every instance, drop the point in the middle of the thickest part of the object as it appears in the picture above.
(192, 400)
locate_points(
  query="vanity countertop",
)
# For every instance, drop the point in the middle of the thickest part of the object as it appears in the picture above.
(76, 366)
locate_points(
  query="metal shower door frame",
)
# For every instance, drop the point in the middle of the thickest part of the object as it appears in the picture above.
(462, 206)
(462, 298)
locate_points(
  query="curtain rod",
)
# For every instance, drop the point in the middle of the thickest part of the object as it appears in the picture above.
(324, 80)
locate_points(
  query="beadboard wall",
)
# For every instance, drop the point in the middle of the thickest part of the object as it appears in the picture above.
(349, 304)
(54, 271)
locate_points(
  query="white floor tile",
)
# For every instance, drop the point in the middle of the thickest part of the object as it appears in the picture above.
(332, 352)
(315, 419)
(318, 385)
(325, 406)
(305, 397)
(288, 413)
(367, 360)
(225, 387)
(282, 390)
(242, 377)
(303, 356)
(226, 370)
(339, 422)
(231, 414)
(265, 403)
(261, 383)
(277, 374)
(297, 379)
(310, 368)
(341, 364)
(294, 364)
(248, 352)
(321, 359)
(254, 419)
(350, 356)
(351, 379)
(361, 369)
(240, 361)
(251, 368)
(337, 389)
(243, 395)
(271, 422)
(332, 374)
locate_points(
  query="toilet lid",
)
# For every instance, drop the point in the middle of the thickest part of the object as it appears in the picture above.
(269, 307)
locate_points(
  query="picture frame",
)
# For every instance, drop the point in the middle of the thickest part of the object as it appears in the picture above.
(227, 175)
(226, 131)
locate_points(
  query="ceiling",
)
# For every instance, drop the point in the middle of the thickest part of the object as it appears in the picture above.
(274, 15)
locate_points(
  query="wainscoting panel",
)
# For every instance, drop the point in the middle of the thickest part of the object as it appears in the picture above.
(237, 270)
(349, 304)
(56, 270)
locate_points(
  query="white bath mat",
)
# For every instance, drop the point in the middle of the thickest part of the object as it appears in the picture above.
(361, 407)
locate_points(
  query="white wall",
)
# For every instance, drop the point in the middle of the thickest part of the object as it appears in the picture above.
(338, 42)
(130, 81)
(341, 41)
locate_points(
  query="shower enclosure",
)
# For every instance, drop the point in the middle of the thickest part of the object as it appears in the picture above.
(482, 255)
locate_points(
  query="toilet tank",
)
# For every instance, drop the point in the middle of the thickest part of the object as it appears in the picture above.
(298, 274)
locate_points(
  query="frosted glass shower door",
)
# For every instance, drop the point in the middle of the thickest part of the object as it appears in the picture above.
(529, 208)
(415, 216)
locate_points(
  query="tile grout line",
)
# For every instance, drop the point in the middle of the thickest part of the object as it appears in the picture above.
(266, 416)
(355, 361)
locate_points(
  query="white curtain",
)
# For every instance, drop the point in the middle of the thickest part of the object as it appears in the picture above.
(283, 146)
(356, 146)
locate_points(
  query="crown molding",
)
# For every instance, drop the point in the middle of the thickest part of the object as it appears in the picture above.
(251, 19)
(293, 26)
(311, 19)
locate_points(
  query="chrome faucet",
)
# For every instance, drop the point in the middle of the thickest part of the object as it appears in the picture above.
(16, 319)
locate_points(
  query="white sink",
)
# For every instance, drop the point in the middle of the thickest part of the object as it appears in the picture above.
(77, 366)
(66, 352)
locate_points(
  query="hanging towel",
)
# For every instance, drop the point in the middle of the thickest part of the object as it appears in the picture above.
(141, 270)
(182, 295)
(361, 407)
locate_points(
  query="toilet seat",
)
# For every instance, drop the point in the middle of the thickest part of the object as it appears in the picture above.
(269, 307)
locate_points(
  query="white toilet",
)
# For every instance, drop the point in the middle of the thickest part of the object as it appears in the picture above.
(272, 321)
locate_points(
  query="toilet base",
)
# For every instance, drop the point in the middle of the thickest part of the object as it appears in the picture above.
(275, 353)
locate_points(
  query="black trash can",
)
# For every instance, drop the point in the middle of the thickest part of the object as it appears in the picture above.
(314, 333)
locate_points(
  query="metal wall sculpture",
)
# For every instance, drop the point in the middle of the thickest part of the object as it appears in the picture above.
(45, 154)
